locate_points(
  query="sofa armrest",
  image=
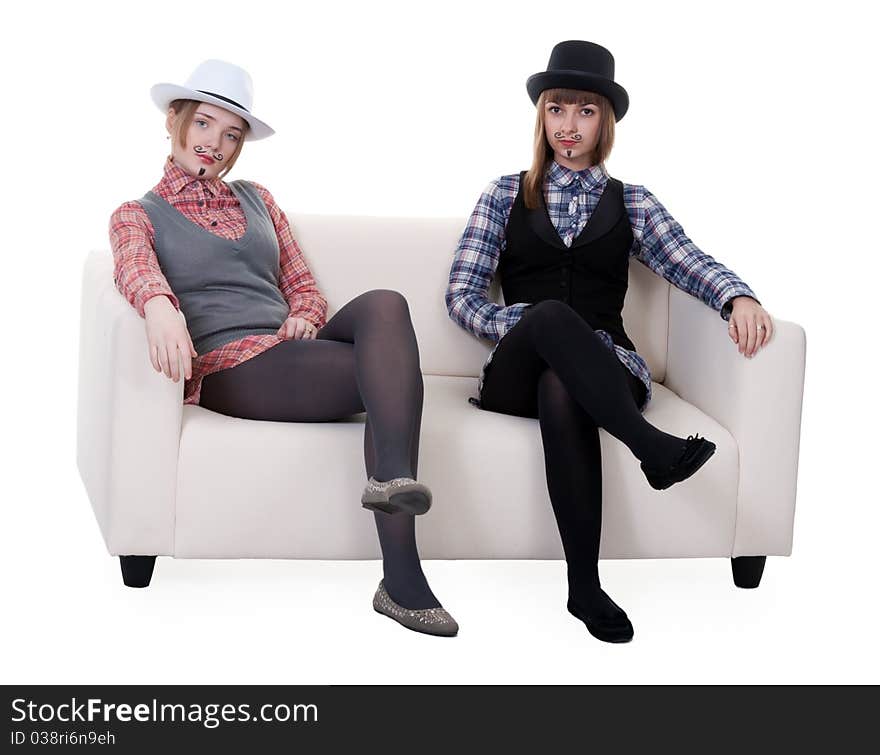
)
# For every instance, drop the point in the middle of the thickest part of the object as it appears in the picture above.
(758, 400)
(128, 421)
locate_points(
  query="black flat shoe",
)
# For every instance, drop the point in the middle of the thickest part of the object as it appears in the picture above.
(697, 452)
(616, 630)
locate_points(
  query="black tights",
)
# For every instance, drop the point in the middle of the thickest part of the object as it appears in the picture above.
(552, 366)
(365, 358)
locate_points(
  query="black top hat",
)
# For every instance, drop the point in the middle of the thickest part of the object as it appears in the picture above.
(581, 65)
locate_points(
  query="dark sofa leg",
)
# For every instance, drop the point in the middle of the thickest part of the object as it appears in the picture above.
(747, 570)
(137, 570)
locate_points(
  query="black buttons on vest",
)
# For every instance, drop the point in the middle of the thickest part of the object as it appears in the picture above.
(214, 222)
(591, 275)
(566, 269)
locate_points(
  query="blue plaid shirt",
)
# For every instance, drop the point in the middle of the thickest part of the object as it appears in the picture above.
(571, 196)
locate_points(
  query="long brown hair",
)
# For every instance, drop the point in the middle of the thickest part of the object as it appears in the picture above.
(543, 152)
(185, 110)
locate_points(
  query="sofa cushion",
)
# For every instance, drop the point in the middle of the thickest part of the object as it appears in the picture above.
(292, 490)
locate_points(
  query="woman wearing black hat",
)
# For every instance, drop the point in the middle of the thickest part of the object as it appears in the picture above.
(560, 236)
(256, 343)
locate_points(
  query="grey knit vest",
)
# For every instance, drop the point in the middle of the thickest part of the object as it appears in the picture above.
(227, 289)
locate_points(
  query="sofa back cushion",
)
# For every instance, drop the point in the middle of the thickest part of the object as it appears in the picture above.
(350, 254)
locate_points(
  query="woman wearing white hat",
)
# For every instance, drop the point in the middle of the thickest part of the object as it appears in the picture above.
(256, 343)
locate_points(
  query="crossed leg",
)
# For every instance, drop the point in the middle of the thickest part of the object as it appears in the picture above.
(365, 358)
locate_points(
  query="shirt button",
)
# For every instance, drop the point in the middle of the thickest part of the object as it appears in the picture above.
(214, 223)
(201, 203)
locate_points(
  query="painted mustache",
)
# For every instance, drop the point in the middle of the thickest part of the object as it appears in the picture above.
(560, 135)
(200, 150)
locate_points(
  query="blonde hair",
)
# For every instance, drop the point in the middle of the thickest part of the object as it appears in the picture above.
(185, 110)
(543, 152)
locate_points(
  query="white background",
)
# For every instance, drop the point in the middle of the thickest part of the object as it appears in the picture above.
(754, 123)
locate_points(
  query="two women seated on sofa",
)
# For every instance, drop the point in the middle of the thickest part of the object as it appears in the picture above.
(257, 343)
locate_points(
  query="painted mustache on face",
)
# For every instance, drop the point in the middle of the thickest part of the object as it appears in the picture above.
(574, 137)
(200, 150)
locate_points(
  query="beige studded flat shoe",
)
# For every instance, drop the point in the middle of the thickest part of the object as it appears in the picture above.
(402, 494)
(436, 621)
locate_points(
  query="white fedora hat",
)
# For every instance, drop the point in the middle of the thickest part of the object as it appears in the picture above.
(222, 84)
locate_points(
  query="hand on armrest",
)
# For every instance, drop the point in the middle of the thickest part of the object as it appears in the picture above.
(169, 344)
(758, 400)
(129, 420)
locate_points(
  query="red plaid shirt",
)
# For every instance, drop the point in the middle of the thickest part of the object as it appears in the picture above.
(212, 205)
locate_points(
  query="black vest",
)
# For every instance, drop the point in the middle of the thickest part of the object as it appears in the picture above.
(591, 275)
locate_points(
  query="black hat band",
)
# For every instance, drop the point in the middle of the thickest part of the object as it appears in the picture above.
(225, 99)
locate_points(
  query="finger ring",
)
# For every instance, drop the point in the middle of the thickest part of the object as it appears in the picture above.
(760, 327)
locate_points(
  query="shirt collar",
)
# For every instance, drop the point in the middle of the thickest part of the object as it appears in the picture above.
(176, 179)
(588, 178)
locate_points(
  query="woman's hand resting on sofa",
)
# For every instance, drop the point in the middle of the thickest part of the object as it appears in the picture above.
(297, 327)
(750, 325)
(167, 334)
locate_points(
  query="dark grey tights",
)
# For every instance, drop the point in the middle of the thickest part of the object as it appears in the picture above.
(365, 358)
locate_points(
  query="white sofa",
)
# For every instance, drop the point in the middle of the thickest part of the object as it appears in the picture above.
(169, 480)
